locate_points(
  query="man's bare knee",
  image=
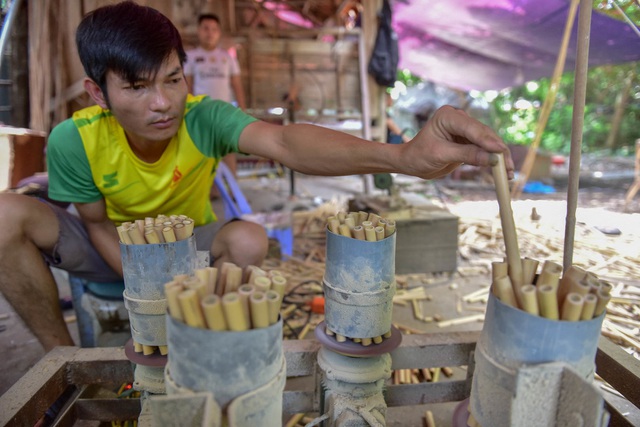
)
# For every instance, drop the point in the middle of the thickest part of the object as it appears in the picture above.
(241, 242)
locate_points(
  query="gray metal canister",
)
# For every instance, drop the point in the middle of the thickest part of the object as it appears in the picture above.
(359, 284)
(146, 269)
(513, 339)
(245, 371)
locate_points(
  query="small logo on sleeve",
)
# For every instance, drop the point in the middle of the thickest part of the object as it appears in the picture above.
(110, 180)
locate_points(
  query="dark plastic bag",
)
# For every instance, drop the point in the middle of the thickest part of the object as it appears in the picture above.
(383, 65)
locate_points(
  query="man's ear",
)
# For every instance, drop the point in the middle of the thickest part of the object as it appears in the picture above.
(95, 93)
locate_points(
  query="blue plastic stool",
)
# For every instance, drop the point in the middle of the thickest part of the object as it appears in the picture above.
(236, 205)
(109, 294)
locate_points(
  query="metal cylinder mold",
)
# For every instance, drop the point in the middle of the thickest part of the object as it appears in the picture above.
(245, 371)
(512, 339)
(359, 284)
(146, 269)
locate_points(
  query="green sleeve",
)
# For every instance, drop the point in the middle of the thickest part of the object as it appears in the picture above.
(215, 126)
(70, 178)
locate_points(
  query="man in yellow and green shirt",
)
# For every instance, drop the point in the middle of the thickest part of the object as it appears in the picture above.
(149, 148)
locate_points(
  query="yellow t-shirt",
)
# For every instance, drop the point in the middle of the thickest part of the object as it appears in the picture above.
(89, 158)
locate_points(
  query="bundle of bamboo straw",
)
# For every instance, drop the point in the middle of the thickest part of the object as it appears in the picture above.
(575, 295)
(162, 229)
(223, 302)
(361, 225)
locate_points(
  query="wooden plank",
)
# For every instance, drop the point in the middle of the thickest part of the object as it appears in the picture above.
(434, 350)
(301, 356)
(27, 400)
(107, 410)
(103, 366)
(619, 369)
(418, 394)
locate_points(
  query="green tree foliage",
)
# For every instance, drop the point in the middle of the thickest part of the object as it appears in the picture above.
(515, 111)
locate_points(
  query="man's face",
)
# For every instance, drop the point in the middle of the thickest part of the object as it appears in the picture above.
(209, 34)
(151, 109)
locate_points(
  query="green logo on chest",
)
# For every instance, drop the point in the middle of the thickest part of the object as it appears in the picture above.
(110, 180)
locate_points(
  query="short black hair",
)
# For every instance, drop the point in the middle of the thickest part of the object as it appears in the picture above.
(128, 39)
(211, 16)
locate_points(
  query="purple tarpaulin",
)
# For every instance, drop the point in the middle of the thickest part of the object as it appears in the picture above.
(494, 44)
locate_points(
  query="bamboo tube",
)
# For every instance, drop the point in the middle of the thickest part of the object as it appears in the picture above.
(259, 310)
(150, 236)
(328, 331)
(499, 269)
(262, 283)
(366, 224)
(435, 374)
(137, 347)
(379, 233)
(389, 228)
(550, 274)
(222, 278)
(148, 350)
(387, 334)
(234, 279)
(197, 285)
(279, 284)
(234, 312)
(529, 269)
(148, 220)
(158, 230)
(571, 275)
(370, 234)
(373, 218)
(428, 418)
(589, 307)
(136, 235)
(305, 331)
(605, 286)
(357, 340)
(140, 225)
(345, 230)
(171, 291)
(350, 222)
(182, 232)
(164, 350)
(244, 292)
(362, 216)
(213, 314)
(504, 291)
(529, 299)
(274, 302)
(501, 182)
(341, 216)
(366, 342)
(547, 302)
(189, 226)
(572, 307)
(358, 232)
(168, 234)
(603, 300)
(294, 420)
(377, 340)
(252, 273)
(203, 275)
(190, 306)
(341, 338)
(124, 236)
(334, 226)
(578, 287)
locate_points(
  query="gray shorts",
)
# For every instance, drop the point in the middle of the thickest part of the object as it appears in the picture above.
(74, 252)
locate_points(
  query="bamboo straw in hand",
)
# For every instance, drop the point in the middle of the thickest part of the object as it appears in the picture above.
(501, 181)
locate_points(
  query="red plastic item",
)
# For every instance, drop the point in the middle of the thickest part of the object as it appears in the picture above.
(317, 305)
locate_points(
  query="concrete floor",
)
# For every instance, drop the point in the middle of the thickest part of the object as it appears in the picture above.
(19, 350)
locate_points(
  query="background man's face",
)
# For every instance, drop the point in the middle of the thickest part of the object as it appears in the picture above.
(209, 33)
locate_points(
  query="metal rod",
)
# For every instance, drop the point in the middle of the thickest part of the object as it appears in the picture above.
(7, 25)
(580, 89)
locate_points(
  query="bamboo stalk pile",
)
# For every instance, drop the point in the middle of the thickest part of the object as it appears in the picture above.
(162, 229)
